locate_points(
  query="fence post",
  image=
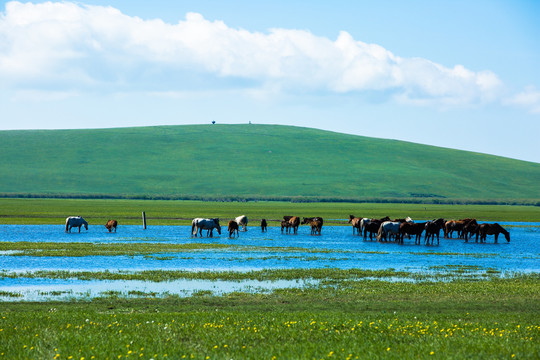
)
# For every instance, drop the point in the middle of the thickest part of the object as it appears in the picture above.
(144, 220)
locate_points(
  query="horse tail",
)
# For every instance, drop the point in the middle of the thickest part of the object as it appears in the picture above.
(67, 224)
(380, 233)
(192, 226)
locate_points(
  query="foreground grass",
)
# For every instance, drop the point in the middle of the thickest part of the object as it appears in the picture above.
(169, 212)
(347, 320)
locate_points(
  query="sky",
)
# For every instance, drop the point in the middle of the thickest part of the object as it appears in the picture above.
(452, 73)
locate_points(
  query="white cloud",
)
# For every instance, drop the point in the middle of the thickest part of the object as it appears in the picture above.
(69, 46)
(528, 99)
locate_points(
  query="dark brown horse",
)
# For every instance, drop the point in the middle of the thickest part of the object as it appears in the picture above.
(285, 225)
(263, 225)
(233, 226)
(492, 229)
(469, 230)
(371, 226)
(409, 228)
(111, 224)
(433, 228)
(316, 224)
(356, 224)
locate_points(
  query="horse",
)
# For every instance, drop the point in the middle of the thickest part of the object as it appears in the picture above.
(264, 224)
(294, 222)
(457, 225)
(316, 224)
(242, 221)
(111, 224)
(198, 224)
(371, 226)
(469, 230)
(492, 229)
(285, 225)
(356, 224)
(233, 226)
(411, 229)
(388, 228)
(433, 228)
(75, 221)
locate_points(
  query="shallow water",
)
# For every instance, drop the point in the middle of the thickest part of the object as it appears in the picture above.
(337, 247)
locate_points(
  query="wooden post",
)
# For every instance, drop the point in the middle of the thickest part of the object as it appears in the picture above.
(144, 220)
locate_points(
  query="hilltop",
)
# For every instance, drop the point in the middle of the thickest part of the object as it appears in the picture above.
(253, 162)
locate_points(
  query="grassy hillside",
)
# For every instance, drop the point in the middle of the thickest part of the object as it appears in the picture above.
(252, 161)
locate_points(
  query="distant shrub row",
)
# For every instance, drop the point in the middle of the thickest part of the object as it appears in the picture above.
(294, 199)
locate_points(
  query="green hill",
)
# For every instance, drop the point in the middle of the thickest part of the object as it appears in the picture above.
(252, 161)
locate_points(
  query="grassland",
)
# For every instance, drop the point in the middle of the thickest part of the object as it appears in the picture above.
(253, 161)
(349, 319)
(169, 212)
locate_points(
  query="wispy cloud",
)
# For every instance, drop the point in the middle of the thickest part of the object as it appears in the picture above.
(67, 46)
(528, 99)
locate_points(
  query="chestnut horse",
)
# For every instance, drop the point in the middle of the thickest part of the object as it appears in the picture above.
(232, 227)
(456, 225)
(294, 222)
(316, 224)
(356, 224)
(492, 229)
(111, 224)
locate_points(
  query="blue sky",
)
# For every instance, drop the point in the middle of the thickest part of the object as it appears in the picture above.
(457, 74)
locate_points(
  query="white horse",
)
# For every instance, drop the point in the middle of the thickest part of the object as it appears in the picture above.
(200, 224)
(75, 221)
(388, 228)
(242, 221)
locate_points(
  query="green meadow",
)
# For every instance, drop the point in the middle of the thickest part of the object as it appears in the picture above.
(348, 319)
(176, 212)
(265, 162)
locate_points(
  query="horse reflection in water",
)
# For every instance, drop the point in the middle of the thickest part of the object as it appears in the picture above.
(200, 224)
(75, 221)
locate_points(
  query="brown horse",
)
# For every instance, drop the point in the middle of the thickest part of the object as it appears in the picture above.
(457, 225)
(294, 222)
(356, 224)
(285, 225)
(469, 230)
(233, 226)
(316, 224)
(111, 224)
(433, 228)
(492, 229)
(411, 229)
(264, 224)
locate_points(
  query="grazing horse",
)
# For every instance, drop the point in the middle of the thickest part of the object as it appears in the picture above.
(433, 228)
(388, 228)
(356, 224)
(316, 224)
(233, 226)
(294, 222)
(492, 229)
(111, 224)
(75, 221)
(242, 221)
(200, 224)
(411, 229)
(264, 224)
